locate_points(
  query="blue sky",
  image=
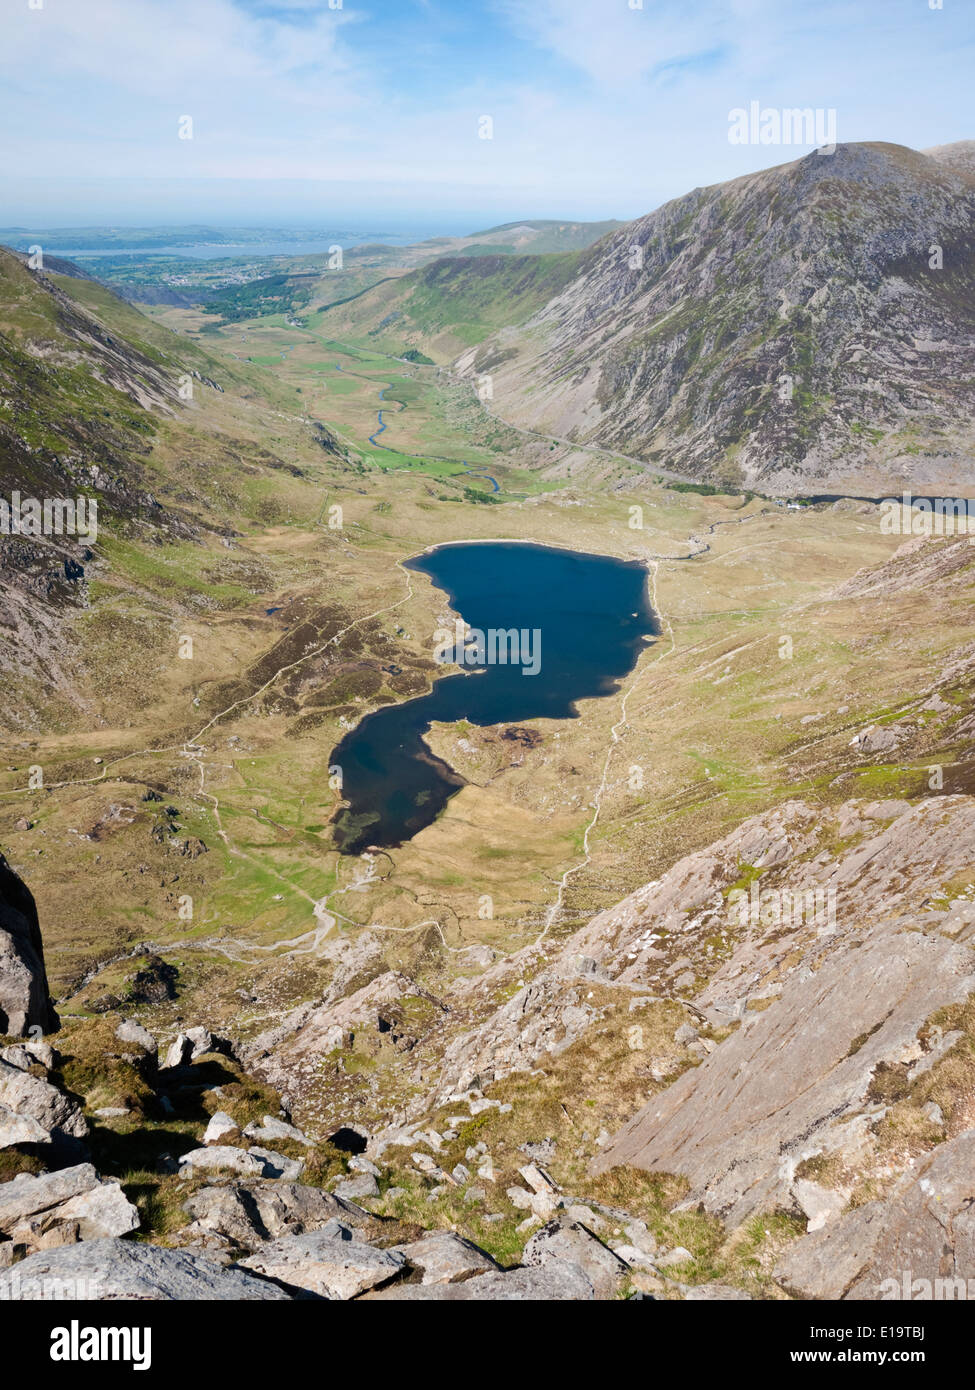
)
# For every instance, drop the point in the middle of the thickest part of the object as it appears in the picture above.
(370, 111)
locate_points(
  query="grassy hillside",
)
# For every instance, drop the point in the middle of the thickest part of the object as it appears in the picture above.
(450, 305)
(541, 235)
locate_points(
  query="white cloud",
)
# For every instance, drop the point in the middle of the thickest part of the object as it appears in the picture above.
(614, 118)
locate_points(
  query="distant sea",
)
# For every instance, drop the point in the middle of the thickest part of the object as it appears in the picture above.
(317, 243)
(207, 251)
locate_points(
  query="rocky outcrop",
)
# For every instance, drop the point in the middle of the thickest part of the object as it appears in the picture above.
(841, 997)
(556, 1281)
(25, 1001)
(101, 1270)
(787, 1085)
(290, 1054)
(785, 328)
(919, 1242)
(62, 1207)
(31, 1096)
(330, 1263)
(246, 1214)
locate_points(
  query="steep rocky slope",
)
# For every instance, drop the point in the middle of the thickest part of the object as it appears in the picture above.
(24, 997)
(455, 301)
(786, 330)
(98, 403)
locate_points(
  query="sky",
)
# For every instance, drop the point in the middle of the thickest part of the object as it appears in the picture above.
(374, 110)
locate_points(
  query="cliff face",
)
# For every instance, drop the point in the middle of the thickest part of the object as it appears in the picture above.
(790, 330)
(25, 1002)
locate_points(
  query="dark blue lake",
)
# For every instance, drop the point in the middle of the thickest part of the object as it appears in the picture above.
(581, 622)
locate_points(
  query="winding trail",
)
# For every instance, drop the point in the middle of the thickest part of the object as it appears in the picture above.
(313, 942)
(326, 916)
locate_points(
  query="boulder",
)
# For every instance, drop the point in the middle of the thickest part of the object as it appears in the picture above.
(103, 1211)
(276, 1165)
(16, 1056)
(354, 1189)
(203, 1041)
(25, 1000)
(220, 1158)
(134, 1035)
(444, 1257)
(179, 1052)
(555, 1280)
(120, 1269)
(40, 1051)
(358, 1163)
(52, 1109)
(27, 1195)
(32, 1207)
(271, 1129)
(20, 1129)
(923, 1231)
(221, 1127)
(570, 1240)
(329, 1263)
(193, 1043)
(248, 1213)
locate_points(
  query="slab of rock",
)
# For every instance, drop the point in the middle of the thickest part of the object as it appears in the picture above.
(329, 1263)
(104, 1211)
(555, 1280)
(25, 1000)
(77, 1196)
(738, 1124)
(178, 1053)
(133, 1034)
(444, 1257)
(203, 1041)
(121, 1269)
(271, 1129)
(362, 1185)
(818, 1204)
(26, 1195)
(570, 1240)
(38, 1099)
(20, 1129)
(221, 1128)
(924, 1230)
(276, 1165)
(220, 1157)
(249, 1213)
